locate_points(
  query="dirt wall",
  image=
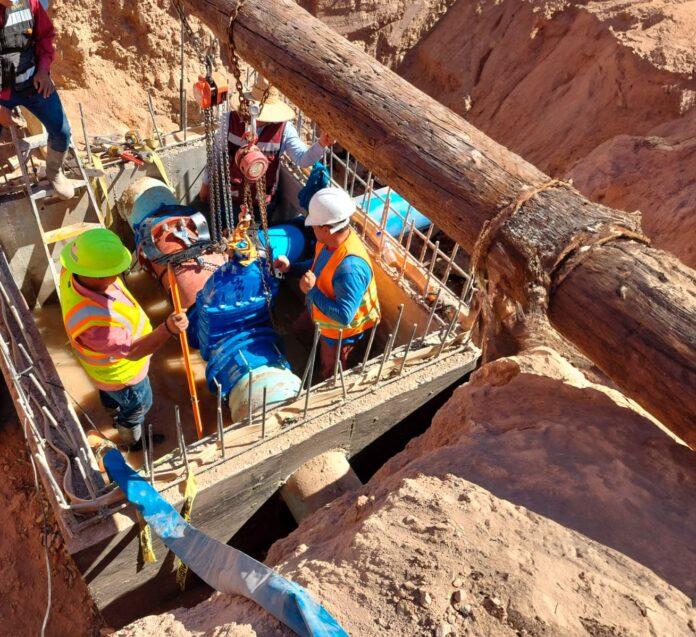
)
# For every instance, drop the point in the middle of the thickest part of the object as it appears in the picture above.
(598, 92)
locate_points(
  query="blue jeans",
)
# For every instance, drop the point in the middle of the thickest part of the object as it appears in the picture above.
(128, 407)
(49, 111)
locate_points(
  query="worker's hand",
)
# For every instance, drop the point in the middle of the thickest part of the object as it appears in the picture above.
(177, 323)
(308, 281)
(282, 264)
(43, 83)
(204, 193)
(325, 139)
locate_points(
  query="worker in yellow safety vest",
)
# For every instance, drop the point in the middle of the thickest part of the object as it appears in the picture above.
(339, 281)
(109, 332)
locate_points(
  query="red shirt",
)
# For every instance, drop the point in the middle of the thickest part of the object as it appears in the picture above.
(44, 35)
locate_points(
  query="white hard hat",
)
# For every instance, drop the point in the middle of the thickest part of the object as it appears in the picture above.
(330, 207)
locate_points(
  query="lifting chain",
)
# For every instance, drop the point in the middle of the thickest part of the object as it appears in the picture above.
(245, 112)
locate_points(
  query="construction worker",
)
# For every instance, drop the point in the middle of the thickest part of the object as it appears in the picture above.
(339, 282)
(277, 135)
(26, 55)
(109, 332)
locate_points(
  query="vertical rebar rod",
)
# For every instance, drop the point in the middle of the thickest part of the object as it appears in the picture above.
(310, 377)
(397, 325)
(310, 359)
(180, 436)
(251, 397)
(366, 205)
(263, 414)
(448, 270)
(431, 315)
(368, 349)
(352, 183)
(384, 357)
(338, 355)
(426, 242)
(467, 288)
(408, 348)
(143, 444)
(404, 225)
(431, 269)
(84, 134)
(407, 249)
(220, 424)
(151, 108)
(345, 172)
(343, 381)
(182, 81)
(151, 454)
(447, 333)
(383, 226)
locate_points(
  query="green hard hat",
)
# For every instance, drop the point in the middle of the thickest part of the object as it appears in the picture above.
(97, 253)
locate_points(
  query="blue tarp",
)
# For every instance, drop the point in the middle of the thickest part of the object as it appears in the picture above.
(400, 212)
(220, 566)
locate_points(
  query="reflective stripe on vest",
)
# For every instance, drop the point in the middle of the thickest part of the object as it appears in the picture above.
(269, 143)
(17, 53)
(368, 313)
(81, 313)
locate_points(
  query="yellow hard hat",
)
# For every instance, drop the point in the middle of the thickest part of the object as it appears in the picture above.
(97, 253)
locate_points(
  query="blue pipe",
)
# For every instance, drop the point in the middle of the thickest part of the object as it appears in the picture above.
(397, 204)
(223, 567)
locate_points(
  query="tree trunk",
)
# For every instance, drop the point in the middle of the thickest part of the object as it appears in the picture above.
(630, 308)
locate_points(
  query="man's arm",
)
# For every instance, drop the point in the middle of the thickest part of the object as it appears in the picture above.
(44, 35)
(297, 150)
(350, 282)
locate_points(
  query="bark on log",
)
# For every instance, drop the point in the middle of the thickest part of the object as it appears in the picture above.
(631, 309)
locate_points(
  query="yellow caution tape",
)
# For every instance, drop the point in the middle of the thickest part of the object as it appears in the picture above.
(147, 553)
(190, 491)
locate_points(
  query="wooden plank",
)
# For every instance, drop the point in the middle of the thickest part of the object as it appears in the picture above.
(462, 180)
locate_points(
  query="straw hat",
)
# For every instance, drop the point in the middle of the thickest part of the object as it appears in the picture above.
(275, 109)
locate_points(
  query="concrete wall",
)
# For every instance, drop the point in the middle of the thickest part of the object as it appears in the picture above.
(19, 234)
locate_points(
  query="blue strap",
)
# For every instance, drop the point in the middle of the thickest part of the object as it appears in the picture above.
(220, 566)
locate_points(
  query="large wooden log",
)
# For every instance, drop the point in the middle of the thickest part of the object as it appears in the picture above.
(631, 309)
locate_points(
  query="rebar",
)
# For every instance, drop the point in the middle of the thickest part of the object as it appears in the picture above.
(408, 348)
(383, 222)
(151, 108)
(448, 270)
(343, 382)
(151, 454)
(433, 309)
(447, 333)
(146, 459)
(384, 357)
(310, 377)
(407, 249)
(345, 172)
(426, 242)
(180, 437)
(263, 414)
(220, 425)
(370, 341)
(310, 359)
(338, 355)
(352, 183)
(367, 201)
(251, 398)
(431, 269)
(397, 325)
(404, 225)
(84, 134)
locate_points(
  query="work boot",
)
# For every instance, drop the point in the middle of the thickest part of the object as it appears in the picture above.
(55, 175)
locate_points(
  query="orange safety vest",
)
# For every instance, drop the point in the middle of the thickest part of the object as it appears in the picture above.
(368, 313)
(81, 313)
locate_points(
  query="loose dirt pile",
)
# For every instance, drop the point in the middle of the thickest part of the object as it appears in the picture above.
(578, 494)
(599, 92)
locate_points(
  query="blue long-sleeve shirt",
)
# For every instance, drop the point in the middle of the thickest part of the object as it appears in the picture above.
(350, 281)
(290, 143)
